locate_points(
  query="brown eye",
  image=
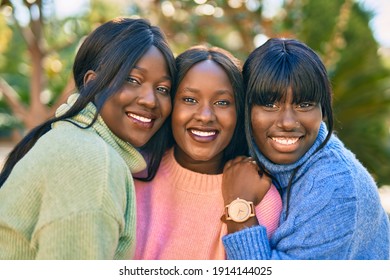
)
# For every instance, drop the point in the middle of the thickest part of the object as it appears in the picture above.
(306, 105)
(164, 90)
(132, 80)
(270, 107)
(222, 103)
(189, 100)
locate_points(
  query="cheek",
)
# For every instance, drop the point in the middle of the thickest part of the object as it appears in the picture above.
(257, 137)
(166, 107)
(178, 122)
(109, 113)
(258, 122)
(313, 121)
(259, 126)
(178, 116)
(231, 122)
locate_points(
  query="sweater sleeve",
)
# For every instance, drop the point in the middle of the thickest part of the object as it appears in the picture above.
(83, 203)
(79, 237)
(268, 211)
(320, 225)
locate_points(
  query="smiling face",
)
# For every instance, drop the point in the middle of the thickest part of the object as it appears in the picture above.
(284, 131)
(139, 109)
(203, 117)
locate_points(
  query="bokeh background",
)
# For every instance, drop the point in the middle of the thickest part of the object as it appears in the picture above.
(38, 41)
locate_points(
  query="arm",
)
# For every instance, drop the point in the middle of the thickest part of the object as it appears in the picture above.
(82, 212)
(82, 236)
(241, 179)
(320, 225)
(268, 211)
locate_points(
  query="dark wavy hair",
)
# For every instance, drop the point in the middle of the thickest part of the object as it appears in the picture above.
(232, 67)
(273, 68)
(111, 51)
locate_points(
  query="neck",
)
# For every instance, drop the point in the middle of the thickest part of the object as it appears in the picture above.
(209, 166)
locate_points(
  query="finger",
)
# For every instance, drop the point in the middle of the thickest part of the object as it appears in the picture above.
(233, 162)
(251, 160)
(239, 159)
(228, 165)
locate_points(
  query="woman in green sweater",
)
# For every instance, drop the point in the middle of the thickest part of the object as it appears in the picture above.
(67, 189)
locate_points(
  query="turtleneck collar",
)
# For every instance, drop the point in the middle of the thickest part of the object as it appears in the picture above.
(283, 172)
(131, 156)
(189, 180)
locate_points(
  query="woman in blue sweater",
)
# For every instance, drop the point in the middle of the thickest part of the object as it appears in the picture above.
(331, 207)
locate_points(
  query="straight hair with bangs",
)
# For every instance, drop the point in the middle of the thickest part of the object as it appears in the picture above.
(281, 64)
(272, 69)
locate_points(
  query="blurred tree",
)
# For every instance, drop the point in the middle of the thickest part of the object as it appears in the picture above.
(361, 83)
(335, 29)
(37, 49)
(32, 59)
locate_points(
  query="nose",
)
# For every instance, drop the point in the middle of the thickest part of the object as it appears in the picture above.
(205, 114)
(148, 98)
(287, 119)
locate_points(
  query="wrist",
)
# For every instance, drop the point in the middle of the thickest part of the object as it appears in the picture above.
(234, 226)
(239, 214)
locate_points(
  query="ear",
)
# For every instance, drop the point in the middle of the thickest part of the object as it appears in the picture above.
(89, 76)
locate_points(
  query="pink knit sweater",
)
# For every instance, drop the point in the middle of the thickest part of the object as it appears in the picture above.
(178, 214)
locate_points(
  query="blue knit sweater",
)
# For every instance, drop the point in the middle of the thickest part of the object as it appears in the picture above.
(334, 211)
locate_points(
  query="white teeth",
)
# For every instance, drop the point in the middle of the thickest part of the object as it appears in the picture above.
(285, 141)
(142, 119)
(203, 133)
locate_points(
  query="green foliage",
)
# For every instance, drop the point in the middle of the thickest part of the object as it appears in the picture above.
(15, 69)
(320, 17)
(362, 101)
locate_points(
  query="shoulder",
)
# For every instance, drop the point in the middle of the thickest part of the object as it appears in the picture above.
(333, 175)
(82, 167)
(335, 162)
(69, 144)
(73, 170)
(67, 138)
(69, 158)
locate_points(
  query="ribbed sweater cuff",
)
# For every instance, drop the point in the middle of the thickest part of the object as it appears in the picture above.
(247, 244)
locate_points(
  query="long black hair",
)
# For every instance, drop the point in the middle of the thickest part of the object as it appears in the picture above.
(232, 67)
(111, 51)
(273, 68)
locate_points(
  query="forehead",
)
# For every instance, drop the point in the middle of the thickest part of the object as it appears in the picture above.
(206, 76)
(152, 60)
(206, 67)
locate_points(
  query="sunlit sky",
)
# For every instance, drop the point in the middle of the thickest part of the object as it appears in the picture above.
(379, 24)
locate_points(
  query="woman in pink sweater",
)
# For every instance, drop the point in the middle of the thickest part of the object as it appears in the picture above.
(179, 212)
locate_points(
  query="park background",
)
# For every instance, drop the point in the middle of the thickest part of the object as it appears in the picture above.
(39, 39)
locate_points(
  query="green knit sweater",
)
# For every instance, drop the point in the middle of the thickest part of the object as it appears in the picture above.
(71, 196)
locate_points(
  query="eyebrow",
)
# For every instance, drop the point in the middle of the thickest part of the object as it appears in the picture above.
(219, 92)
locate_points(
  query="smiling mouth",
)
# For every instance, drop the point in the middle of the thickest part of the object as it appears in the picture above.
(285, 140)
(140, 118)
(203, 133)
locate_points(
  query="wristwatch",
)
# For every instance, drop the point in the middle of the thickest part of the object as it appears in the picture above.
(239, 210)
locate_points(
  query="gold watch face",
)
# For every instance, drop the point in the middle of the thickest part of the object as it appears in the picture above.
(239, 210)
